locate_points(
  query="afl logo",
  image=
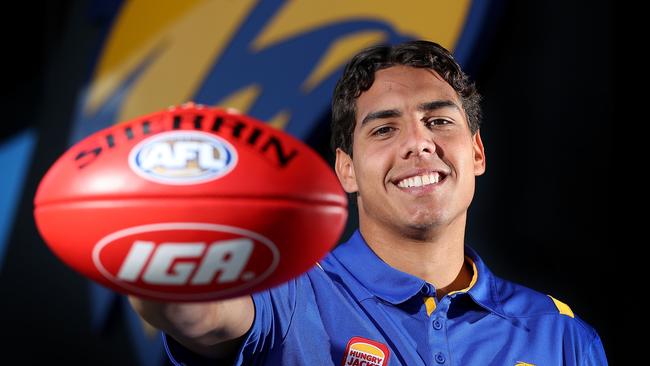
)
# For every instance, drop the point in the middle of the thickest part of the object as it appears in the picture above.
(183, 157)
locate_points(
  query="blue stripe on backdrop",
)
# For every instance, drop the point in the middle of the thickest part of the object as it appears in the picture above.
(476, 24)
(15, 158)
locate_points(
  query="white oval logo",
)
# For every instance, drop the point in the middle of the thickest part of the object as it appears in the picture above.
(183, 157)
(185, 261)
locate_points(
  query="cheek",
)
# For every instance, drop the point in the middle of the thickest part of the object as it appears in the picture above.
(461, 150)
(466, 170)
(371, 170)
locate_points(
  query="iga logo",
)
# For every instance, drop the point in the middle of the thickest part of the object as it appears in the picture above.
(183, 157)
(187, 261)
(227, 257)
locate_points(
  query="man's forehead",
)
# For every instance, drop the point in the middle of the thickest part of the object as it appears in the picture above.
(399, 86)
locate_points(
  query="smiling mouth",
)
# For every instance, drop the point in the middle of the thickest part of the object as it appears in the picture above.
(421, 180)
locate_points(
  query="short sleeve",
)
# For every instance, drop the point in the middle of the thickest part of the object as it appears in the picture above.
(274, 310)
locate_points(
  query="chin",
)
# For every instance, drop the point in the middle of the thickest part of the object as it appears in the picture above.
(427, 218)
(425, 226)
(426, 222)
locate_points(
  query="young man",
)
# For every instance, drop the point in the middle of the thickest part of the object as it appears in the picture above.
(404, 290)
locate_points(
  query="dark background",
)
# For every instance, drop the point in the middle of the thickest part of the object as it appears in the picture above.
(541, 214)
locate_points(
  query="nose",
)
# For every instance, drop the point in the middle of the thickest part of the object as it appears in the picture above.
(417, 140)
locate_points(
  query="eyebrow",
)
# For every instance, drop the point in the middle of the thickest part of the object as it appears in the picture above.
(387, 113)
(437, 104)
(424, 107)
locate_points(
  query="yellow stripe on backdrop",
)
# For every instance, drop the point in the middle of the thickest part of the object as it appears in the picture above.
(441, 21)
(180, 29)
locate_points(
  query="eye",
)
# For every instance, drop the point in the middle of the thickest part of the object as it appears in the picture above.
(437, 122)
(383, 131)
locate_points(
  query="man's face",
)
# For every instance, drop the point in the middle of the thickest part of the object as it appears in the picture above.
(414, 157)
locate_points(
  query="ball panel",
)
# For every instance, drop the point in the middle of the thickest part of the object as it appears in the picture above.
(106, 232)
(269, 163)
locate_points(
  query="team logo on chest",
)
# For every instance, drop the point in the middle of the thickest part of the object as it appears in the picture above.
(365, 352)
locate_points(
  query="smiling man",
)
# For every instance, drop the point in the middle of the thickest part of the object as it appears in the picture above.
(404, 289)
(414, 173)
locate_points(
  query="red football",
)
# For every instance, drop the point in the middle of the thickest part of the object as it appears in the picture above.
(190, 204)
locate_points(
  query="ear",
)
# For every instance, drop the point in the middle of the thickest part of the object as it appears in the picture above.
(479, 154)
(345, 171)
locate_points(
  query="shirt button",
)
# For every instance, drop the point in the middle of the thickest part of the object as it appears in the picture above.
(437, 324)
(440, 358)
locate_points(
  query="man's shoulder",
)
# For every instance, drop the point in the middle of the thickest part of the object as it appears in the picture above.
(526, 304)
(519, 301)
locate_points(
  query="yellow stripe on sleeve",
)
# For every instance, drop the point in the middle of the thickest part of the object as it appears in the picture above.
(562, 307)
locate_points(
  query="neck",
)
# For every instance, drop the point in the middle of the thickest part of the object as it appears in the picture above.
(437, 257)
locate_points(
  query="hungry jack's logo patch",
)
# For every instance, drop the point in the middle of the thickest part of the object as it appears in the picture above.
(365, 352)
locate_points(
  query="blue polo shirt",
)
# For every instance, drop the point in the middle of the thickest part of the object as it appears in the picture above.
(353, 309)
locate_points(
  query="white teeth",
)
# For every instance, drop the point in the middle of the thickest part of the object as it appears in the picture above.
(419, 180)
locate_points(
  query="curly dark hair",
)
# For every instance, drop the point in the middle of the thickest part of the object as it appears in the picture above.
(359, 75)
